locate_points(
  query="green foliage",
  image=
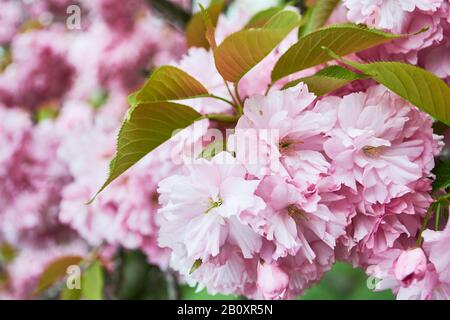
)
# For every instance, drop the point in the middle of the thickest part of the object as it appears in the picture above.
(318, 15)
(244, 49)
(92, 282)
(139, 280)
(418, 86)
(327, 80)
(146, 127)
(262, 17)
(7, 253)
(196, 29)
(55, 271)
(343, 282)
(442, 172)
(168, 83)
(342, 39)
(70, 294)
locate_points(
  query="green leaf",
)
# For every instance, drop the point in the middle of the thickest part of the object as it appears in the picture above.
(418, 86)
(92, 282)
(196, 29)
(318, 15)
(132, 99)
(55, 271)
(327, 80)
(197, 264)
(210, 27)
(212, 149)
(46, 113)
(243, 50)
(7, 253)
(342, 39)
(70, 294)
(442, 172)
(168, 83)
(146, 127)
(262, 17)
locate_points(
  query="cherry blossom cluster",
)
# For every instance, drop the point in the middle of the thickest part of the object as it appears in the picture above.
(345, 177)
(336, 182)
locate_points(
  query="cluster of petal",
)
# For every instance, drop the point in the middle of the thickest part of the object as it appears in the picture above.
(124, 213)
(40, 71)
(31, 180)
(424, 21)
(382, 151)
(254, 216)
(415, 273)
(342, 177)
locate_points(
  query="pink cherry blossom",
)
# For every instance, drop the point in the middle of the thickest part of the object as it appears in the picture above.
(380, 142)
(31, 180)
(119, 17)
(293, 220)
(409, 274)
(40, 71)
(192, 212)
(386, 14)
(10, 20)
(114, 217)
(272, 281)
(436, 245)
(437, 58)
(400, 17)
(411, 266)
(289, 136)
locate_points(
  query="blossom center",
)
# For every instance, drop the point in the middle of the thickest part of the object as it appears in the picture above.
(287, 146)
(213, 204)
(373, 152)
(294, 211)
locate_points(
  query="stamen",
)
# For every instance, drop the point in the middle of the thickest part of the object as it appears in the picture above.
(373, 152)
(213, 204)
(287, 146)
(294, 211)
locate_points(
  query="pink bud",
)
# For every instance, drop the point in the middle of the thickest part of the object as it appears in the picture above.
(410, 266)
(272, 281)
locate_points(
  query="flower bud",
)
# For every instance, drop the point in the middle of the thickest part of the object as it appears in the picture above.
(410, 266)
(272, 281)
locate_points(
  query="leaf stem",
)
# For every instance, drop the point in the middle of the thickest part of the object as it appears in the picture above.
(238, 97)
(222, 99)
(222, 117)
(437, 218)
(236, 105)
(425, 224)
